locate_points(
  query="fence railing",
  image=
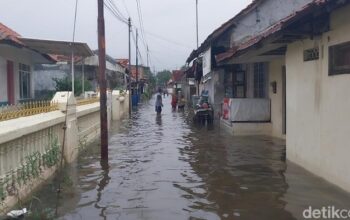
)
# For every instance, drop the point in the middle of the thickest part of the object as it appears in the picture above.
(87, 101)
(24, 109)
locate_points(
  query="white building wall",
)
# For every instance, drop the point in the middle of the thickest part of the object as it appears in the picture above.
(318, 107)
(275, 9)
(3, 80)
(275, 75)
(17, 55)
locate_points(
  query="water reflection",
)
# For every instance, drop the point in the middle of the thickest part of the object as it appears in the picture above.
(159, 119)
(101, 186)
(242, 178)
(163, 167)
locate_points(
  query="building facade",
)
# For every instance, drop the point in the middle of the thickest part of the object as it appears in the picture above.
(16, 67)
(286, 74)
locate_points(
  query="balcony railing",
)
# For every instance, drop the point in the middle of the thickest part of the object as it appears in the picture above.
(8, 112)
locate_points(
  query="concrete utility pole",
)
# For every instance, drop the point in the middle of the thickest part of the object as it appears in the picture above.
(130, 75)
(137, 62)
(102, 79)
(83, 76)
(73, 59)
(147, 57)
(73, 70)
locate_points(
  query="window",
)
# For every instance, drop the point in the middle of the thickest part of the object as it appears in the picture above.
(259, 80)
(339, 59)
(235, 82)
(24, 81)
(239, 84)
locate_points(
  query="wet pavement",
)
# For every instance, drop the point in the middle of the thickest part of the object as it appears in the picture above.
(163, 167)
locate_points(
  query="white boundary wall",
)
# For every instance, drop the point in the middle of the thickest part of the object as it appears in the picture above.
(22, 138)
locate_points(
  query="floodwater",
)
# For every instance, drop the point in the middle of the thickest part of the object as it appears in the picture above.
(164, 167)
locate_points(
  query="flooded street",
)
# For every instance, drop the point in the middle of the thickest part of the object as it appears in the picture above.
(166, 168)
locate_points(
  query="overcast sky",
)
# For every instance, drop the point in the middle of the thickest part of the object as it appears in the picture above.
(169, 24)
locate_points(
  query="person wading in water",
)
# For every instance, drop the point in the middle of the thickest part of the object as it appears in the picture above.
(159, 102)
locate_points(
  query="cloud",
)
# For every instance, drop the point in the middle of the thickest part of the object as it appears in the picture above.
(174, 21)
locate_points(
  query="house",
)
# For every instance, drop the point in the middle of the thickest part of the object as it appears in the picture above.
(177, 82)
(243, 83)
(140, 75)
(17, 61)
(86, 69)
(288, 73)
(115, 72)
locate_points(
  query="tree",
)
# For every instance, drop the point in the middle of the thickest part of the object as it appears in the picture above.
(65, 84)
(151, 79)
(163, 77)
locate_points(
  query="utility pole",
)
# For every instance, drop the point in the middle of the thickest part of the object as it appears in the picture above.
(102, 79)
(73, 70)
(147, 57)
(197, 23)
(83, 76)
(73, 60)
(197, 39)
(130, 75)
(137, 62)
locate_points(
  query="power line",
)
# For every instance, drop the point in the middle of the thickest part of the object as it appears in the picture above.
(140, 16)
(126, 8)
(168, 40)
(117, 10)
(139, 11)
(138, 50)
(109, 5)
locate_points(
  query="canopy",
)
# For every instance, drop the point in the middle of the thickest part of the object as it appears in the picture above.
(58, 47)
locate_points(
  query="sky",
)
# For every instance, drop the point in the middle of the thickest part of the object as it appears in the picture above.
(169, 25)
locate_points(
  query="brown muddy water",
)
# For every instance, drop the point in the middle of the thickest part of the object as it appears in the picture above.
(165, 168)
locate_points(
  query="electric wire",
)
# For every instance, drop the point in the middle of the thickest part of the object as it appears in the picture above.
(115, 12)
(65, 121)
(112, 2)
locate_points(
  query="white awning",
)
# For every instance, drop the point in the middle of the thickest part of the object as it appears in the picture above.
(64, 48)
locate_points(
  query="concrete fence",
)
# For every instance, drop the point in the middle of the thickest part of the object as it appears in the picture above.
(30, 147)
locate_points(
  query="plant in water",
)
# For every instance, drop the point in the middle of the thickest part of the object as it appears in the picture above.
(2, 192)
(30, 168)
(52, 155)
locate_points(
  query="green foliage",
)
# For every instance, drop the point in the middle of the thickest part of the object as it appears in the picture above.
(152, 81)
(146, 96)
(65, 84)
(163, 77)
(31, 168)
(2, 192)
(52, 155)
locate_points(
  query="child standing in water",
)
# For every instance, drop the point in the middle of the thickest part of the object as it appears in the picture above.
(181, 102)
(174, 101)
(159, 102)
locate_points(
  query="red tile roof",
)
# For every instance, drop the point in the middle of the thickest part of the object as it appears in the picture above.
(141, 72)
(177, 75)
(123, 62)
(271, 30)
(8, 34)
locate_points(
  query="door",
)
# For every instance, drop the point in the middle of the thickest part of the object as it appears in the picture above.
(10, 83)
(284, 100)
